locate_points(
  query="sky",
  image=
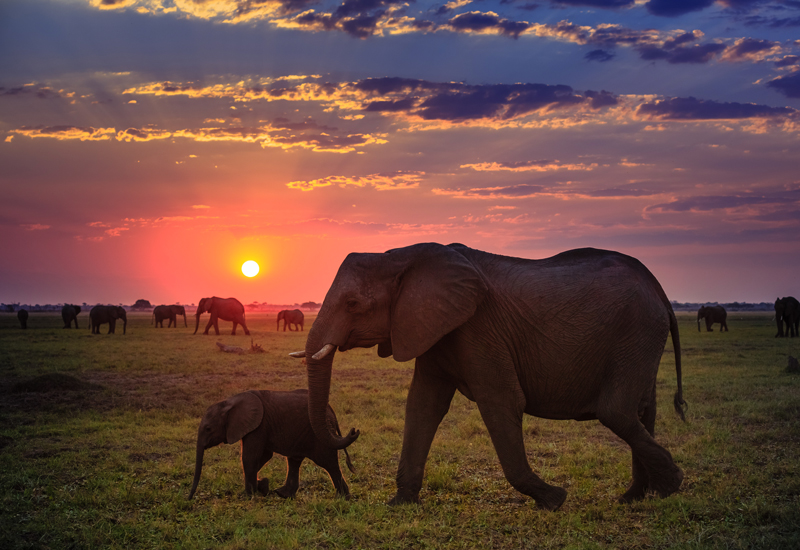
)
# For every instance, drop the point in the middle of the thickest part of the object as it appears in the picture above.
(149, 147)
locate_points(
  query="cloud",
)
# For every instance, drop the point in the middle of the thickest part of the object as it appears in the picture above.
(674, 8)
(599, 55)
(116, 231)
(689, 54)
(689, 108)
(200, 207)
(527, 166)
(82, 133)
(35, 90)
(607, 4)
(142, 134)
(485, 23)
(380, 182)
(519, 191)
(787, 85)
(748, 200)
(751, 49)
(34, 226)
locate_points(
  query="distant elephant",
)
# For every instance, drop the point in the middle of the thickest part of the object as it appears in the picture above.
(70, 313)
(291, 317)
(713, 314)
(576, 336)
(100, 315)
(787, 311)
(169, 312)
(22, 315)
(227, 309)
(269, 422)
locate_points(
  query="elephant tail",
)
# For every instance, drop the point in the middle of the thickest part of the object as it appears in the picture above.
(680, 404)
(346, 454)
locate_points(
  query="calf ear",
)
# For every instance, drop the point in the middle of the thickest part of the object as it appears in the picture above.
(437, 290)
(244, 415)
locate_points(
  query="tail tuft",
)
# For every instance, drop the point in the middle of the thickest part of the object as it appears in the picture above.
(680, 405)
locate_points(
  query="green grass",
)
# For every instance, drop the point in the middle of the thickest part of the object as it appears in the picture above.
(111, 467)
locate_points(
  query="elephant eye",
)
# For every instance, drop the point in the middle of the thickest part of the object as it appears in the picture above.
(351, 304)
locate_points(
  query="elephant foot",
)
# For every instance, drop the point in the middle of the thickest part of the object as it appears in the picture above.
(636, 491)
(667, 482)
(285, 492)
(263, 486)
(553, 498)
(404, 498)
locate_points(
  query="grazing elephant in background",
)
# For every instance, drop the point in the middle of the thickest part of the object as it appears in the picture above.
(22, 315)
(291, 317)
(269, 422)
(787, 311)
(70, 313)
(227, 309)
(100, 315)
(576, 336)
(713, 314)
(169, 312)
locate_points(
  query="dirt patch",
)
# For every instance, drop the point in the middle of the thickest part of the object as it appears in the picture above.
(54, 382)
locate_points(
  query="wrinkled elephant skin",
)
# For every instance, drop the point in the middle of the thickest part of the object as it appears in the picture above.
(576, 336)
(269, 422)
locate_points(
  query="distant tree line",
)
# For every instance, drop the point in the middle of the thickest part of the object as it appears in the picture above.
(729, 306)
(145, 305)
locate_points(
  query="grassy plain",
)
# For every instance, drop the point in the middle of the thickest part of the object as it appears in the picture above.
(109, 465)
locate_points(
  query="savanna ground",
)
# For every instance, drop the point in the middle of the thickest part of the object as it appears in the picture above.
(108, 463)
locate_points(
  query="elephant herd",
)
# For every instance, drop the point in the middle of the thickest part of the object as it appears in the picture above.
(787, 314)
(578, 336)
(227, 309)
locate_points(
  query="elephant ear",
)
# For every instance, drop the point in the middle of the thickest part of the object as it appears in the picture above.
(438, 291)
(244, 415)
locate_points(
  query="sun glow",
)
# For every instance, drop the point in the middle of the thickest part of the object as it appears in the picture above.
(250, 268)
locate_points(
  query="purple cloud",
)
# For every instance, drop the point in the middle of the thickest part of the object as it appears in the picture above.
(787, 85)
(690, 108)
(674, 8)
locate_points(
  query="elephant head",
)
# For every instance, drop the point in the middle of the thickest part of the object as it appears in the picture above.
(226, 422)
(403, 301)
(180, 310)
(121, 314)
(701, 313)
(77, 310)
(202, 307)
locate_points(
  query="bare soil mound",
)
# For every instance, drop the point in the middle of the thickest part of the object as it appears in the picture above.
(53, 382)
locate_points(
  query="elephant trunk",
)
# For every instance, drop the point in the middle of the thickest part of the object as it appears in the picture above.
(198, 469)
(698, 324)
(319, 386)
(185, 324)
(124, 325)
(197, 324)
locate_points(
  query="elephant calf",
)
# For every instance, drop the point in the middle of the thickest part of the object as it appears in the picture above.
(270, 422)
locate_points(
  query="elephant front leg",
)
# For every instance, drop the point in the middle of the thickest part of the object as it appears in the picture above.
(292, 482)
(254, 456)
(428, 401)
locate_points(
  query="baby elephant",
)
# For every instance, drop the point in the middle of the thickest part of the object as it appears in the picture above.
(270, 422)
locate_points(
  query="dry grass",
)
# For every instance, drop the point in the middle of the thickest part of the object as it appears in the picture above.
(109, 464)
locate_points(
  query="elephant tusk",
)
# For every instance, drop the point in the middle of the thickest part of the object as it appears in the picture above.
(297, 354)
(326, 349)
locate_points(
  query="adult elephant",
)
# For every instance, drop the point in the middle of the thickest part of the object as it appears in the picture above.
(100, 315)
(169, 312)
(291, 317)
(713, 314)
(22, 316)
(576, 336)
(227, 309)
(787, 312)
(69, 313)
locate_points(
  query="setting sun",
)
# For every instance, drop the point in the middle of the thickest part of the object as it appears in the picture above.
(250, 268)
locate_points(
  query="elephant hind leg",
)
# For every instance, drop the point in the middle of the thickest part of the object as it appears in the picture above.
(651, 461)
(330, 462)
